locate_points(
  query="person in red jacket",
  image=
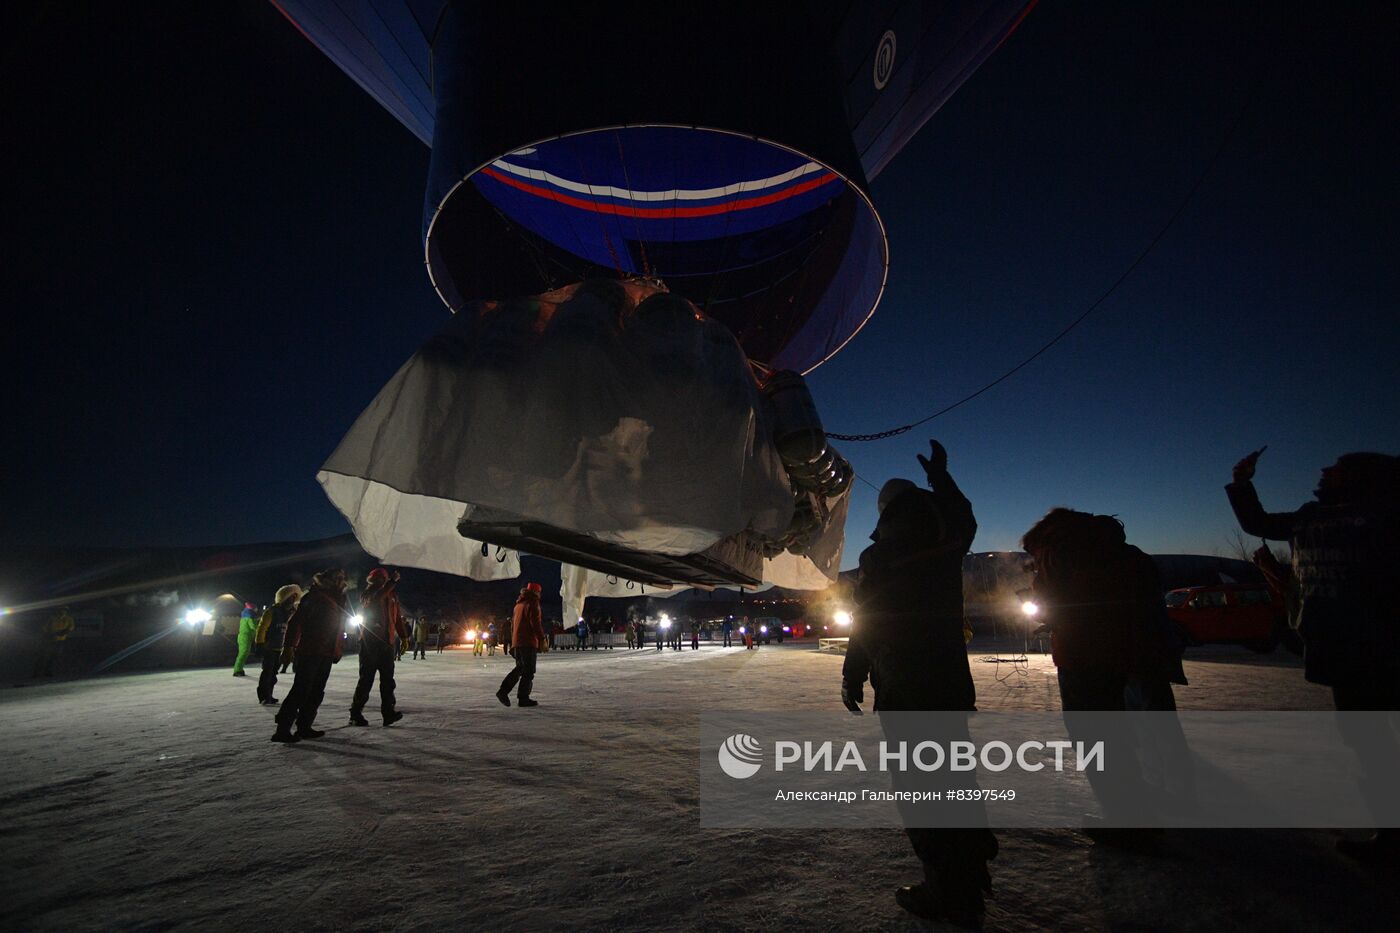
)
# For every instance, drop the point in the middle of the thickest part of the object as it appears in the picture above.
(314, 633)
(527, 635)
(381, 628)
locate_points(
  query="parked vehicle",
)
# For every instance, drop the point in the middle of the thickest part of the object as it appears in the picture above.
(1232, 613)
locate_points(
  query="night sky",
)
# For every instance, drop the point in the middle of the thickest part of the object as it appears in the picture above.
(213, 263)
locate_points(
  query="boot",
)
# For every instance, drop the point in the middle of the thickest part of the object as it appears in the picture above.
(306, 732)
(271, 701)
(526, 701)
(1143, 841)
(357, 718)
(504, 697)
(919, 900)
(284, 734)
(1383, 845)
(392, 717)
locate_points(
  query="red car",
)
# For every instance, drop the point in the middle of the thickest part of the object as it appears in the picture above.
(1233, 613)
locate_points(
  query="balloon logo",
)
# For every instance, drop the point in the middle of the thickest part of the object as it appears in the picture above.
(740, 755)
(884, 60)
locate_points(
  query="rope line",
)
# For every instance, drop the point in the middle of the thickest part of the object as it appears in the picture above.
(1171, 221)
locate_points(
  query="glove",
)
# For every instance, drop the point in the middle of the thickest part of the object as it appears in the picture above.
(936, 464)
(852, 695)
(1244, 470)
(286, 655)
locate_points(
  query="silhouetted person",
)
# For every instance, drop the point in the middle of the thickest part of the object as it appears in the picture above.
(908, 640)
(314, 633)
(527, 638)
(727, 627)
(381, 628)
(420, 640)
(1090, 586)
(248, 623)
(581, 633)
(52, 638)
(272, 632)
(1346, 548)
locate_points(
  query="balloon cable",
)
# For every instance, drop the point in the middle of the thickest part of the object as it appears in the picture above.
(1171, 221)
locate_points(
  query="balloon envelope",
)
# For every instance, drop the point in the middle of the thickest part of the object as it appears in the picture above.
(724, 148)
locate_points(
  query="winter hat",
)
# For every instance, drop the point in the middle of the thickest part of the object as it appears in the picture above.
(891, 490)
(326, 578)
(532, 587)
(378, 575)
(291, 589)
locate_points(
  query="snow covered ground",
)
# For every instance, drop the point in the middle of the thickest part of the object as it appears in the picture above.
(156, 801)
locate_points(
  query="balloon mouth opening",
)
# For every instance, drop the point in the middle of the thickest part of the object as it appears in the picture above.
(784, 250)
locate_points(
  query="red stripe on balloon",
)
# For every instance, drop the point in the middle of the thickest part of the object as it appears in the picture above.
(661, 213)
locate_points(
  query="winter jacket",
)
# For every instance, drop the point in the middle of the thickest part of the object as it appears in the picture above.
(60, 627)
(383, 616)
(908, 637)
(1155, 643)
(1103, 603)
(272, 630)
(316, 627)
(527, 625)
(247, 627)
(1345, 560)
(1085, 605)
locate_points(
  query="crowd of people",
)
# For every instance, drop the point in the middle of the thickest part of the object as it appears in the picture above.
(1112, 645)
(307, 629)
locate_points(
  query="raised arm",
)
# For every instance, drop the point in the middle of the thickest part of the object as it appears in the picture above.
(1276, 526)
(952, 504)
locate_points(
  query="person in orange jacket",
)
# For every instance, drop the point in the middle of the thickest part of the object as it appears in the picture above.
(527, 636)
(381, 628)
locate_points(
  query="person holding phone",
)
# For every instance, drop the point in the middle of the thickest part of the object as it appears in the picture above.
(1346, 546)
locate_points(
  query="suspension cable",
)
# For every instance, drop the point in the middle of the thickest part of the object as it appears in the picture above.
(1171, 221)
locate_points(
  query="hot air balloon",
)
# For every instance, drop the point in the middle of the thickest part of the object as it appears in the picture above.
(650, 221)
